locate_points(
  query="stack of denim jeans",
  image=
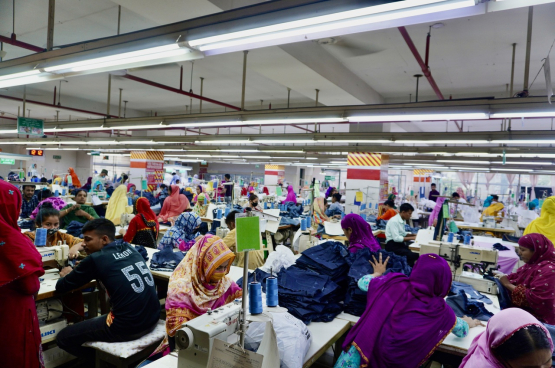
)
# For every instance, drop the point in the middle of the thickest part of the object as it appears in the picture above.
(75, 229)
(326, 259)
(165, 260)
(463, 306)
(308, 295)
(355, 299)
(293, 210)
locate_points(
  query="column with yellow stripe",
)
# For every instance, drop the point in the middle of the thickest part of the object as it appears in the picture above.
(366, 173)
(148, 165)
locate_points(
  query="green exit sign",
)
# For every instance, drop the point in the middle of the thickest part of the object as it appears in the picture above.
(56, 157)
(7, 161)
(330, 177)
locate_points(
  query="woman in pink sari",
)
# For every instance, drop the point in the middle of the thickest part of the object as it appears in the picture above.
(199, 283)
(513, 338)
(432, 221)
(174, 205)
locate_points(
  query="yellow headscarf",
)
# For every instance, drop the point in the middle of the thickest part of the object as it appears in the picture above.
(493, 210)
(117, 204)
(545, 224)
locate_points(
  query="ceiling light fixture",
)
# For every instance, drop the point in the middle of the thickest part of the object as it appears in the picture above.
(330, 22)
(420, 117)
(523, 114)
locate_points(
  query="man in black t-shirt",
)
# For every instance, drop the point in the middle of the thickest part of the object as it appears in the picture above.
(135, 308)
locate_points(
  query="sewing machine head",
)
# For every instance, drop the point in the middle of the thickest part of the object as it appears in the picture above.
(58, 253)
(125, 219)
(460, 257)
(194, 338)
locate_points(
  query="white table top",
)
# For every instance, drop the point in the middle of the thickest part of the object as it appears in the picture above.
(323, 334)
(480, 226)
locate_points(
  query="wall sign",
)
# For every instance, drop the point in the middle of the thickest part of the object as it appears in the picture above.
(7, 161)
(30, 126)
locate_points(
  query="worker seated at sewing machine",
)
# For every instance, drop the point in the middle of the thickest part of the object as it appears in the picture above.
(397, 237)
(49, 218)
(254, 203)
(128, 281)
(495, 208)
(335, 209)
(79, 211)
(194, 290)
(359, 233)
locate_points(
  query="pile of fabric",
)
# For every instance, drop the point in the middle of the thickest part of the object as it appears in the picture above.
(355, 299)
(165, 260)
(292, 210)
(328, 258)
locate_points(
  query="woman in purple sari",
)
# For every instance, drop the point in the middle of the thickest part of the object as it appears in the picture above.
(406, 318)
(359, 233)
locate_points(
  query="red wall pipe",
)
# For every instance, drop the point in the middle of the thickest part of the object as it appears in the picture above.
(423, 66)
(12, 41)
(56, 106)
(175, 90)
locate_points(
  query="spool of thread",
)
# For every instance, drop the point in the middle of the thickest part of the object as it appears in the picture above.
(265, 205)
(219, 214)
(255, 298)
(467, 239)
(40, 237)
(303, 224)
(450, 237)
(308, 221)
(363, 216)
(129, 201)
(272, 292)
(56, 193)
(227, 211)
(272, 205)
(342, 216)
(63, 192)
(205, 200)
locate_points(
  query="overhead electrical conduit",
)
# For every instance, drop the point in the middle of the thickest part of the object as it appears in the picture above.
(423, 66)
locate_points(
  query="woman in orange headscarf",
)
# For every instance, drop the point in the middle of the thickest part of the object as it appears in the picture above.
(74, 178)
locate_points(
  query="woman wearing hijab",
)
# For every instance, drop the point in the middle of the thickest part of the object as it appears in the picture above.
(545, 223)
(200, 190)
(88, 184)
(531, 287)
(200, 208)
(359, 233)
(143, 228)
(174, 205)
(432, 221)
(199, 283)
(291, 196)
(131, 188)
(20, 268)
(513, 338)
(185, 230)
(74, 178)
(117, 205)
(266, 191)
(330, 192)
(319, 214)
(46, 195)
(493, 209)
(406, 318)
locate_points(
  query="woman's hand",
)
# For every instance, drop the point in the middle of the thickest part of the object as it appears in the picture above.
(379, 266)
(76, 207)
(472, 322)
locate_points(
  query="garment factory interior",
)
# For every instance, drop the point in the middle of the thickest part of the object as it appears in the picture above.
(380, 172)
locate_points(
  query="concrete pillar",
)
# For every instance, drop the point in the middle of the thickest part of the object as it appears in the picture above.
(273, 175)
(149, 165)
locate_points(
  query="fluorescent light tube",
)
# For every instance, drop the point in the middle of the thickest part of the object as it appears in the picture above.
(419, 117)
(466, 162)
(469, 168)
(523, 114)
(522, 163)
(224, 142)
(354, 141)
(19, 75)
(275, 141)
(524, 141)
(498, 169)
(18, 81)
(335, 21)
(118, 59)
(443, 141)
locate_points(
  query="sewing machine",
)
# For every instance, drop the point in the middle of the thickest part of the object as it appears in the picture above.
(306, 240)
(194, 338)
(269, 198)
(459, 255)
(49, 313)
(222, 232)
(58, 253)
(489, 221)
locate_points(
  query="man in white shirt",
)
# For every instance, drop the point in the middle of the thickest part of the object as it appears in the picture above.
(396, 236)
